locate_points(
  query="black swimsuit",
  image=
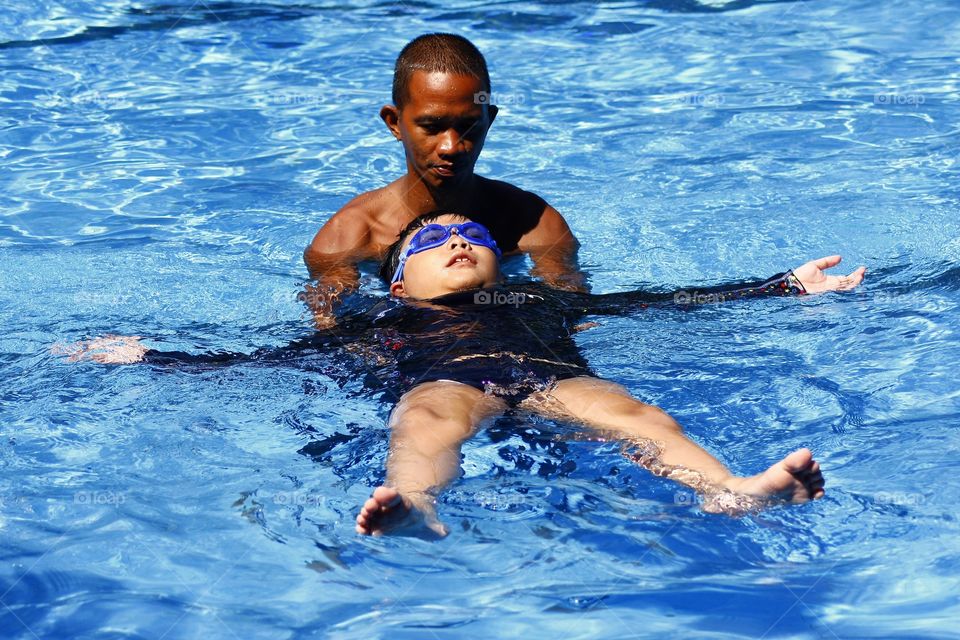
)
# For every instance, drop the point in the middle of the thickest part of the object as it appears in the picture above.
(510, 341)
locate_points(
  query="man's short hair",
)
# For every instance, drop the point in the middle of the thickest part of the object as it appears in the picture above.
(437, 52)
(392, 258)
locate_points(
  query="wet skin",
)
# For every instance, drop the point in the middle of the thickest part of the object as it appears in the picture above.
(442, 128)
(456, 265)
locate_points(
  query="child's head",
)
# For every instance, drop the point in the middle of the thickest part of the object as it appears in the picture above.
(440, 253)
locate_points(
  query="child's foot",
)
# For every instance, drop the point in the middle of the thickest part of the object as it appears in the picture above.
(796, 478)
(387, 511)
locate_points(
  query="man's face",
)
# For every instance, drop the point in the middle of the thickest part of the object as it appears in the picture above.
(456, 265)
(442, 127)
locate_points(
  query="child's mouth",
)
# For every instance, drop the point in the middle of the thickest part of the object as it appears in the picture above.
(461, 258)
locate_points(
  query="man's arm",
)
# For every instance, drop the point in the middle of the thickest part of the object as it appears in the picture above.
(553, 249)
(347, 233)
(331, 260)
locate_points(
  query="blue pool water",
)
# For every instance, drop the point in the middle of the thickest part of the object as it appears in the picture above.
(163, 164)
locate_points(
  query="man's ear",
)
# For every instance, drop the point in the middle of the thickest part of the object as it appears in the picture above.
(492, 111)
(391, 117)
(397, 290)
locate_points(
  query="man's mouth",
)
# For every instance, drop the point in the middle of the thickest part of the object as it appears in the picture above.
(461, 258)
(446, 170)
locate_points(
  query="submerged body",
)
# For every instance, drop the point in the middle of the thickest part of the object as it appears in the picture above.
(509, 340)
(512, 340)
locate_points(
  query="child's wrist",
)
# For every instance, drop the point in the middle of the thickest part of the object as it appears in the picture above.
(793, 283)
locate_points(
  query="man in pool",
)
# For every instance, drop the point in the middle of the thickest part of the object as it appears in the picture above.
(449, 266)
(441, 112)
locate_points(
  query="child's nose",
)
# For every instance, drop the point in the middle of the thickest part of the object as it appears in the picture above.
(457, 242)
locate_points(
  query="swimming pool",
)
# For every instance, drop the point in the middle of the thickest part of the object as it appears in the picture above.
(164, 164)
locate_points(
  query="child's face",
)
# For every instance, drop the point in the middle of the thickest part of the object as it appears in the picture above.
(456, 265)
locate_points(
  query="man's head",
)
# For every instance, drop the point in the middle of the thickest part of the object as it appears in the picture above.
(437, 268)
(441, 110)
(437, 53)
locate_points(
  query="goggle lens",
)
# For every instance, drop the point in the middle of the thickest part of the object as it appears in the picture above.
(434, 235)
(431, 236)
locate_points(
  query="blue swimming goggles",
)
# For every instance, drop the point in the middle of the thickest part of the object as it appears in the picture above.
(434, 235)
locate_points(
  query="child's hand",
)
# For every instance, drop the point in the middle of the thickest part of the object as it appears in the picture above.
(105, 350)
(811, 275)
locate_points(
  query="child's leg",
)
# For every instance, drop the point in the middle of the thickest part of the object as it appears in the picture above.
(428, 426)
(609, 407)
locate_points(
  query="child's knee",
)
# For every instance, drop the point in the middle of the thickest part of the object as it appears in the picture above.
(661, 418)
(415, 413)
(636, 411)
(424, 418)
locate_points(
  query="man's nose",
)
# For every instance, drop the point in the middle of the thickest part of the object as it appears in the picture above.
(450, 142)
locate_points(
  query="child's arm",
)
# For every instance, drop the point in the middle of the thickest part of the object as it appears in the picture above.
(808, 278)
(360, 314)
(113, 349)
(109, 349)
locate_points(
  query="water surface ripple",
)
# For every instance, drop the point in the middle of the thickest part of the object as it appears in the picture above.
(165, 163)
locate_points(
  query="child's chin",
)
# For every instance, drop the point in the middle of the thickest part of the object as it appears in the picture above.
(467, 281)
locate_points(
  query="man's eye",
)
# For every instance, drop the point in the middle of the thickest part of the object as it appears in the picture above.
(468, 129)
(432, 129)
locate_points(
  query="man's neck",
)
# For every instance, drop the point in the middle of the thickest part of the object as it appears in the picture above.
(421, 198)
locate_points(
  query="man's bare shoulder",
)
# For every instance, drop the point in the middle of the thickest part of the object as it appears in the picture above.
(518, 199)
(346, 232)
(368, 205)
(349, 229)
(361, 229)
(533, 221)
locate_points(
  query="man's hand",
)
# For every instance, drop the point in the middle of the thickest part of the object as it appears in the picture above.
(335, 276)
(321, 300)
(811, 275)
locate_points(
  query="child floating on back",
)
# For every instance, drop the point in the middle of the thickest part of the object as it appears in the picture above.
(450, 266)
(457, 347)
